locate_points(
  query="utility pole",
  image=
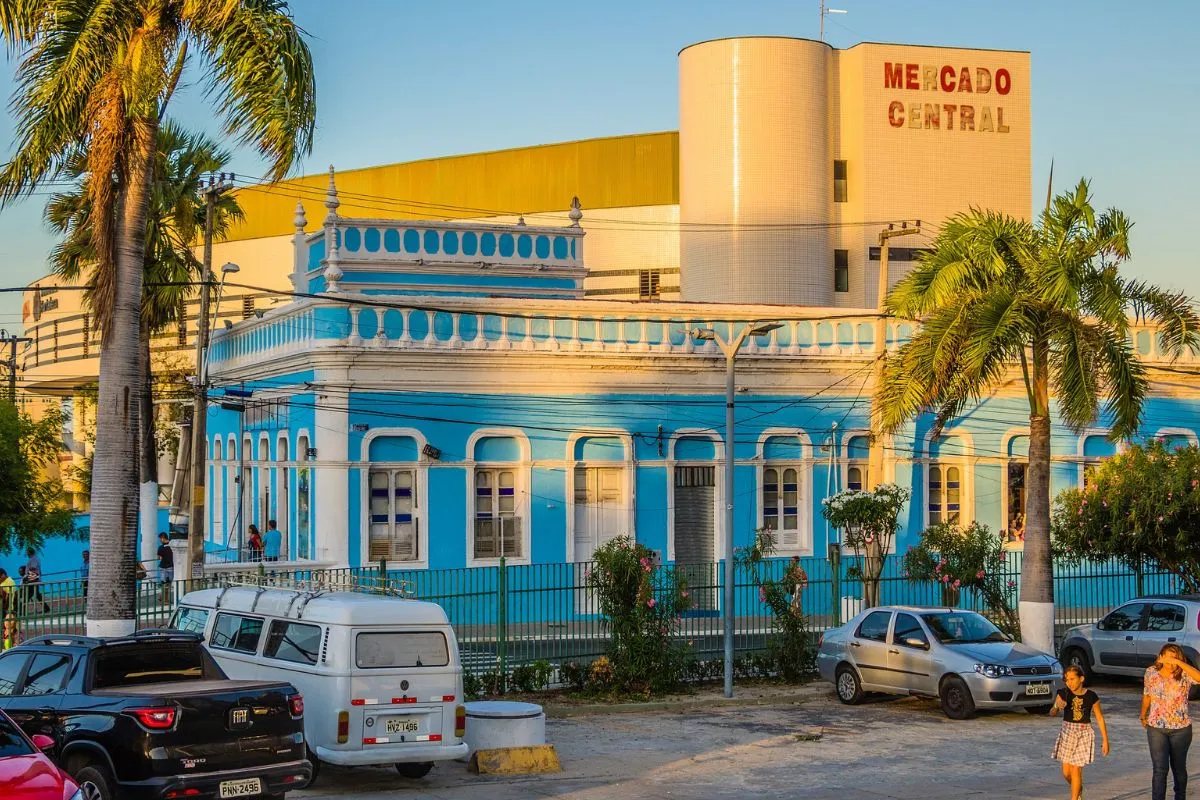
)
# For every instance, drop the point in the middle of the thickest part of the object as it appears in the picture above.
(875, 462)
(826, 11)
(11, 362)
(210, 193)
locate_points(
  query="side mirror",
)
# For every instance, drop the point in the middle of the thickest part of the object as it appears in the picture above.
(43, 742)
(912, 641)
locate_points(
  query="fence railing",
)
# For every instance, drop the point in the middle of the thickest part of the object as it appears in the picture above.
(513, 615)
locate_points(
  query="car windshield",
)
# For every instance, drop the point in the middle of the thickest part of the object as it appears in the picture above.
(962, 627)
(12, 743)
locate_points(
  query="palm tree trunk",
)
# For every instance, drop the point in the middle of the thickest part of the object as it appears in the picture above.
(110, 600)
(1037, 568)
(148, 467)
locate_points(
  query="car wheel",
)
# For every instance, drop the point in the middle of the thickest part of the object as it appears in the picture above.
(1075, 657)
(957, 702)
(1040, 710)
(415, 770)
(848, 686)
(94, 783)
(316, 767)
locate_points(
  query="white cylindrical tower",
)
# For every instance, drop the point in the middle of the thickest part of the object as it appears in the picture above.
(755, 175)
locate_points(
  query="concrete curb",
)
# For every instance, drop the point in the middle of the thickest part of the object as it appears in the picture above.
(792, 696)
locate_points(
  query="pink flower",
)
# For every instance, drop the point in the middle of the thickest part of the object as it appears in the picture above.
(945, 579)
(1195, 483)
(1105, 503)
(684, 594)
(904, 574)
(762, 595)
(1085, 502)
(980, 574)
(1012, 584)
(1160, 518)
(937, 568)
(651, 603)
(957, 584)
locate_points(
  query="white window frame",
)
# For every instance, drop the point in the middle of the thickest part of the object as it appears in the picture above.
(231, 460)
(965, 465)
(283, 494)
(848, 463)
(522, 481)
(301, 462)
(628, 481)
(803, 545)
(420, 468)
(718, 463)
(217, 506)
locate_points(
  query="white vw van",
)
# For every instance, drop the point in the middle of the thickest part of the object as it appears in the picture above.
(380, 675)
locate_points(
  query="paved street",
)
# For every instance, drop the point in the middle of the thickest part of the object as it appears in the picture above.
(813, 749)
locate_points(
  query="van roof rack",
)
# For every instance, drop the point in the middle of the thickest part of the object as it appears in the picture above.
(322, 583)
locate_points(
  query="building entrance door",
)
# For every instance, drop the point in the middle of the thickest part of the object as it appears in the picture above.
(695, 540)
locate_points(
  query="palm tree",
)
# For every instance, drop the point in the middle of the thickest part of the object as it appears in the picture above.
(997, 294)
(173, 223)
(97, 75)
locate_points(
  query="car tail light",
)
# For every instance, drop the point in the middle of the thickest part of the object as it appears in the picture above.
(343, 733)
(183, 793)
(296, 704)
(460, 721)
(154, 719)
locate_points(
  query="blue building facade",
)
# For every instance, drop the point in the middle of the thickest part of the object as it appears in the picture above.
(439, 394)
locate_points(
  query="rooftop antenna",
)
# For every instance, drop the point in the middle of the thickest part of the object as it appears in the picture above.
(826, 11)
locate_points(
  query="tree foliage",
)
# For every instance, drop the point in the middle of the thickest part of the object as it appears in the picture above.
(32, 504)
(1140, 507)
(791, 651)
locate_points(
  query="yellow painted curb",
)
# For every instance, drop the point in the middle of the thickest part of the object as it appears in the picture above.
(515, 760)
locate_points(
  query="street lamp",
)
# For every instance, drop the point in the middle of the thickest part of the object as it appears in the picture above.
(730, 350)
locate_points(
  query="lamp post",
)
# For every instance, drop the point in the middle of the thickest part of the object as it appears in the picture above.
(199, 426)
(730, 350)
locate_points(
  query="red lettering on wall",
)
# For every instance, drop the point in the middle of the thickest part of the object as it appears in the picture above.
(893, 76)
(949, 108)
(1003, 81)
(947, 78)
(966, 118)
(933, 116)
(964, 80)
(911, 73)
(983, 81)
(896, 114)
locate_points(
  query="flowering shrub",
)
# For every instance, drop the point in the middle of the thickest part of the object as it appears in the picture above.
(972, 558)
(642, 604)
(868, 522)
(791, 653)
(1140, 506)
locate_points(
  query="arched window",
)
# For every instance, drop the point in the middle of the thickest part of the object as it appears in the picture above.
(946, 487)
(784, 493)
(499, 491)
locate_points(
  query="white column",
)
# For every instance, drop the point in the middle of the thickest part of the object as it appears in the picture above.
(330, 477)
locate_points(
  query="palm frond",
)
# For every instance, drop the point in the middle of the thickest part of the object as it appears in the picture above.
(1075, 375)
(1173, 312)
(1125, 383)
(261, 75)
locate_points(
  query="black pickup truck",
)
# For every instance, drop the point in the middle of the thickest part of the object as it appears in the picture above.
(153, 716)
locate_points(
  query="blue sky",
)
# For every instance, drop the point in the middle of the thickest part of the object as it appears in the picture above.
(1115, 90)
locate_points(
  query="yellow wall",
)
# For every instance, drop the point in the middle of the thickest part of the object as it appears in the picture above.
(614, 172)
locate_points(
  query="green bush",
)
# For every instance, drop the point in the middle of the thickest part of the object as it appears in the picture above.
(791, 654)
(641, 604)
(970, 558)
(573, 675)
(533, 677)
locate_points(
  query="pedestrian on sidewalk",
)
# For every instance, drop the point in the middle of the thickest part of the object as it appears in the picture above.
(166, 567)
(272, 542)
(255, 544)
(1076, 743)
(10, 637)
(8, 593)
(1166, 720)
(33, 579)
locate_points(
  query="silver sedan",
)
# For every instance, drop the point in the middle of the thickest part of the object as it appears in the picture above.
(959, 657)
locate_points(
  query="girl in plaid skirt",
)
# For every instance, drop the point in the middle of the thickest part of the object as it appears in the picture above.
(1076, 743)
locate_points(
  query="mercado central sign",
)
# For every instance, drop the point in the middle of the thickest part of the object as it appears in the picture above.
(976, 95)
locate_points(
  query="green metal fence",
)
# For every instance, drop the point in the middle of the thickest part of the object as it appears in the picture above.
(513, 615)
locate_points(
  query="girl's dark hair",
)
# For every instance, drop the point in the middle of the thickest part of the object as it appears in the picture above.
(1076, 670)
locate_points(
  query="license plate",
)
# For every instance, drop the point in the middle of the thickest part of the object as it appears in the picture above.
(247, 787)
(1037, 689)
(402, 725)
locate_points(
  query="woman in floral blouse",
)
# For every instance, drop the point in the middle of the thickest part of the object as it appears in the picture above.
(1166, 720)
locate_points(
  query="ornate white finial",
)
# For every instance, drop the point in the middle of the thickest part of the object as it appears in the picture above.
(299, 220)
(331, 199)
(521, 220)
(576, 212)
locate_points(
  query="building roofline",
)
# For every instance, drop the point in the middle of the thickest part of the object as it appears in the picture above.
(851, 47)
